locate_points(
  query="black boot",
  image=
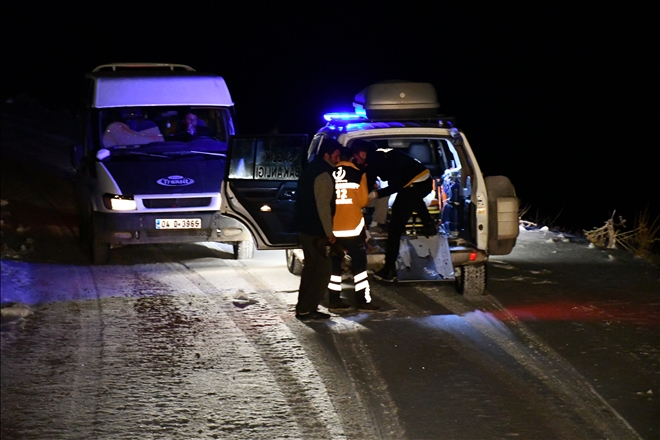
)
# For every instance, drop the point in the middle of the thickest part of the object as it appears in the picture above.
(385, 274)
(335, 303)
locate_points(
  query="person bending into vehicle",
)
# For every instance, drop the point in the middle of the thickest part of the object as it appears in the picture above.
(313, 213)
(410, 180)
(351, 195)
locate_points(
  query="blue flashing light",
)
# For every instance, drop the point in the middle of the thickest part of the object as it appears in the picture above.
(359, 110)
(342, 116)
(356, 126)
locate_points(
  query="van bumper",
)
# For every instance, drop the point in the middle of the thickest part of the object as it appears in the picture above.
(460, 256)
(140, 228)
(464, 256)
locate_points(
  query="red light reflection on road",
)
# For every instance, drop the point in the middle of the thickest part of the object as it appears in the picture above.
(612, 312)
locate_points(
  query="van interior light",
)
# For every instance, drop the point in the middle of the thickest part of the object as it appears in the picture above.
(265, 208)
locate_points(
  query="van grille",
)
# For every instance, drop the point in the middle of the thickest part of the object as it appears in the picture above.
(191, 202)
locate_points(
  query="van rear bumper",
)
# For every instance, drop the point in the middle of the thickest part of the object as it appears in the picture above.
(460, 256)
(134, 228)
(464, 256)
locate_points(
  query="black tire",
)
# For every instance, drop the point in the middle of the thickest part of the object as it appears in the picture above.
(85, 230)
(100, 250)
(244, 250)
(294, 264)
(471, 280)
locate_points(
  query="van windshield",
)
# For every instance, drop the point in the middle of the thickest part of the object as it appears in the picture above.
(169, 128)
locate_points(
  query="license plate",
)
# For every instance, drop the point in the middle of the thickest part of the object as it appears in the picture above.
(178, 223)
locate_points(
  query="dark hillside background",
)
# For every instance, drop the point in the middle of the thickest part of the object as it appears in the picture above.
(556, 95)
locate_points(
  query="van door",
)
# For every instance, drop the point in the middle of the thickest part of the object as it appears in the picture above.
(260, 186)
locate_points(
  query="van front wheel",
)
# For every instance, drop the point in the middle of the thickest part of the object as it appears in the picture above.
(471, 280)
(100, 249)
(293, 263)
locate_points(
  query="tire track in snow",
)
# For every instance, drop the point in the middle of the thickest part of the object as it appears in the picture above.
(541, 362)
(151, 328)
(278, 347)
(374, 394)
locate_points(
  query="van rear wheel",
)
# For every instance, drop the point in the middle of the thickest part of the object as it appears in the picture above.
(244, 250)
(471, 280)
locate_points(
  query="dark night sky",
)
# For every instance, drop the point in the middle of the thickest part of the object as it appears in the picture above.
(555, 95)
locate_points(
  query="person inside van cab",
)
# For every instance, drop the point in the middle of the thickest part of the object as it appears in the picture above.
(193, 127)
(192, 121)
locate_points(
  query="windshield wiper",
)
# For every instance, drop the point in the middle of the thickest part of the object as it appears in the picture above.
(142, 153)
(184, 152)
(209, 153)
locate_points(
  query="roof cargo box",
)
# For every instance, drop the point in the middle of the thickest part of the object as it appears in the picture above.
(398, 100)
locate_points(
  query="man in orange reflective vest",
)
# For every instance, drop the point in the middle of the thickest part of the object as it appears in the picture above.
(351, 195)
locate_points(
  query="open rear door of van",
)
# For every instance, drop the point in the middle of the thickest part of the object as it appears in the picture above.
(259, 188)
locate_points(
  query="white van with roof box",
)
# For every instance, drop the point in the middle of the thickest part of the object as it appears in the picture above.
(152, 159)
(477, 216)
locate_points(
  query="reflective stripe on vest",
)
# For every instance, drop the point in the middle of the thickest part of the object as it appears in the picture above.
(351, 233)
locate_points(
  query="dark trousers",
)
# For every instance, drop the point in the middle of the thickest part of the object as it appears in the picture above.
(315, 275)
(408, 200)
(356, 249)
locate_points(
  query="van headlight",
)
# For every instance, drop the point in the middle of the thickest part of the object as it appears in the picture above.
(116, 202)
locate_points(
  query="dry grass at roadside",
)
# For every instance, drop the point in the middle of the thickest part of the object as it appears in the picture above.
(643, 240)
(537, 220)
(640, 240)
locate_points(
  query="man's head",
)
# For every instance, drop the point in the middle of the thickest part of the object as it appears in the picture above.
(191, 123)
(361, 149)
(330, 151)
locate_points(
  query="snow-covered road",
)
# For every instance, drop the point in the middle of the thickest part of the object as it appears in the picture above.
(182, 341)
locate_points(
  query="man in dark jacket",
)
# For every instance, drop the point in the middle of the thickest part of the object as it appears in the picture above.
(410, 180)
(314, 211)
